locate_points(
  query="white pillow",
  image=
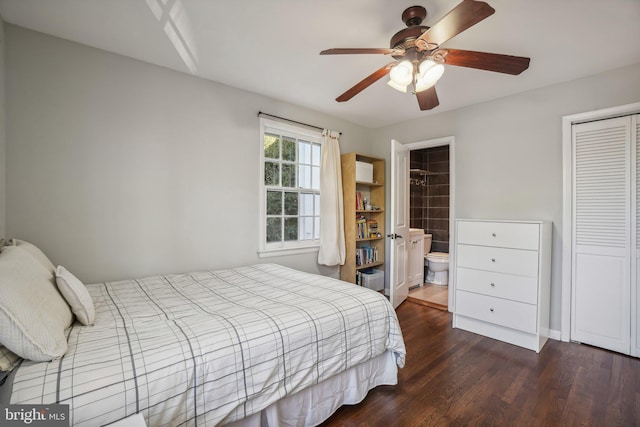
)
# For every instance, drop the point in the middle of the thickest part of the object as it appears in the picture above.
(77, 296)
(33, 314)
(36, 253)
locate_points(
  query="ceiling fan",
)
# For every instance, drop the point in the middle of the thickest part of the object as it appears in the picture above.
(420, 59)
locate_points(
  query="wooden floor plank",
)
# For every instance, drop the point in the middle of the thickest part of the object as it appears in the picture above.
(435, 296)
(454, 377)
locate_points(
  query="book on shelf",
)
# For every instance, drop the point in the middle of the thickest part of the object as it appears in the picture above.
(361, 227)
(366, 255)
(360, 275)
(359, 201)
(366, 228)
(372, 228)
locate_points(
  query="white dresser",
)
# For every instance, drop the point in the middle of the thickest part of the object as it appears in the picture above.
(502, 280)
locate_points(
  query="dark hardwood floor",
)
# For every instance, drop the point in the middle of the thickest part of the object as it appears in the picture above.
(454, 377)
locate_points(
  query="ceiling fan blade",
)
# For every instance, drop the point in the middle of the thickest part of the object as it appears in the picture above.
(365, 83)
(351, 51)
(507, 64)
(461, 17)
(428, 99)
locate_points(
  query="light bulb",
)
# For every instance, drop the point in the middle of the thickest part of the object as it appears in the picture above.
(430, 73)
(396, 86)
(402, 74)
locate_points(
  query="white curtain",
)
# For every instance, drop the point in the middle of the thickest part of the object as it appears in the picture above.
(332, 250)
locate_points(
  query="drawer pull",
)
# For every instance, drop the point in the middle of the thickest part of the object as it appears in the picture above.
(493, 260)
(491, 310)
(493, 234)
(493, 285)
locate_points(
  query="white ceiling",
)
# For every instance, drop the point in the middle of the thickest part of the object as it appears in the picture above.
(271, 46)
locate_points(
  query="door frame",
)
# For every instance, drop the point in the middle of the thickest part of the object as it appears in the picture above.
(441, 142)
(567, 205)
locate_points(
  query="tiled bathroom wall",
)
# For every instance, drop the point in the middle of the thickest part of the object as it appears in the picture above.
(430, 195)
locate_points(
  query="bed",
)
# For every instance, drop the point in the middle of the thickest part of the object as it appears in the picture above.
(250, 346)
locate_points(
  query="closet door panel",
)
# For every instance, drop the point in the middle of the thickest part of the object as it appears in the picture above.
(602, 234)
(635, 312)
(635, 236)
(601, 303)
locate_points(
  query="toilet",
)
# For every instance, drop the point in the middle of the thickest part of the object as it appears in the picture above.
(437, 264)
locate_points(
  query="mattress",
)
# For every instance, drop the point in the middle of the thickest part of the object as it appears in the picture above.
(210, 348)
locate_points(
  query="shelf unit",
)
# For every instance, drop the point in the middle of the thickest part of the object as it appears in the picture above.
(374, 193)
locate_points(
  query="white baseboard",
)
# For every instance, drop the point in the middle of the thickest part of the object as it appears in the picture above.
(554, 335)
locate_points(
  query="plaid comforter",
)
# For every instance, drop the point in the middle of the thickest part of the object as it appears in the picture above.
(210, 347)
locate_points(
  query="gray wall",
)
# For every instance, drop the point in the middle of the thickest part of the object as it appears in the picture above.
(508, 152)
(120, 169)
(2, 134)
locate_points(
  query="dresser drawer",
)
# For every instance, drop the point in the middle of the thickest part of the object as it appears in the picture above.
(499, 285)
(501, 234)
(501, 260)
(512, 314)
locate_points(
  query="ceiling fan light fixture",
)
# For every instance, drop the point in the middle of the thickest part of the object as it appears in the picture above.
(422, 58)
(429, 73)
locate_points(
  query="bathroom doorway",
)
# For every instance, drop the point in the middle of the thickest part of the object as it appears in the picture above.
(431, 190)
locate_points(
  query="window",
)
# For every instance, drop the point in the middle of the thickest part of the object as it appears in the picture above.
(290, 188)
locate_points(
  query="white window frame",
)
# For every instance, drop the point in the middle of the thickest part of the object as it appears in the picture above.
(281, 248)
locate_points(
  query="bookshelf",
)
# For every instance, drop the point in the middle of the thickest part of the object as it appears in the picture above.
(363, 223)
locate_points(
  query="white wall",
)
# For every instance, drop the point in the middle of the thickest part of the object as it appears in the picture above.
(119, 169)
(508, 152)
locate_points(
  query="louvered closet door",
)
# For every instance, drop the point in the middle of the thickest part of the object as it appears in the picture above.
(602, 234)
(635, 236)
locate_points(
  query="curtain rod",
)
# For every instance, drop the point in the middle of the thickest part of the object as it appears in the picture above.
(260, 113)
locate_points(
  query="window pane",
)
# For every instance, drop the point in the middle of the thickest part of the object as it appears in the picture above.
(305, 152)
(290, 229)
(274, 203)
(315, 157)
(291, 204)
(271, 173)
(274, 229)
(271, 146)
(288, 149)
(306, 228)
(306, 204)
(315, 177)
(291, 183)
(289, 175)
(305, 176)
